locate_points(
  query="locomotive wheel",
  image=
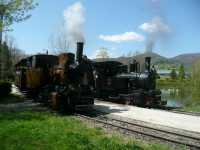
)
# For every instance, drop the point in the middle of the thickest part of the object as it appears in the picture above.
(54, 101)
(66, 106)
(70, 106)
(139, 99)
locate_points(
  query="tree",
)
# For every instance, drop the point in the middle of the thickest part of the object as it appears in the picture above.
(136, 53)
(123, 55)
(196, 79)
(59, 41)
(10, 55)
(130, 54)
(102, 53)
(12, 11)
(6, 61)
(173, 74)
(181, 74)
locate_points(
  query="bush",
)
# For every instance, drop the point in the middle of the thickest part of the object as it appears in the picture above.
(5, 88)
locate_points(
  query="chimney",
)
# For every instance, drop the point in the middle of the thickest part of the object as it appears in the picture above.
(147, 64)
(79, 52)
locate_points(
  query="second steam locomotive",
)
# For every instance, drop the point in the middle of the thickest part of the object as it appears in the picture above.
(65, 82)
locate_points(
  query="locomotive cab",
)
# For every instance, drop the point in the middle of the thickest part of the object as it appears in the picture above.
(33, 72)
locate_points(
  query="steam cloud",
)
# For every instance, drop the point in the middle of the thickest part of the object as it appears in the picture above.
(127, 36)
(156, 29)
(74, 17)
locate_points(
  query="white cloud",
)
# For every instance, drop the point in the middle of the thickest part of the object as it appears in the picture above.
(155, 26)
(127, 36)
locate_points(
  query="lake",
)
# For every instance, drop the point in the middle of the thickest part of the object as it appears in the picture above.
(175, 97)
(172, 98)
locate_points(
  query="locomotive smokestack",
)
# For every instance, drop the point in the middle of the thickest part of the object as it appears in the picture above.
(147, 63)
(79, 52)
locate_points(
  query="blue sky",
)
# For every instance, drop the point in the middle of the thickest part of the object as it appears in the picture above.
(112, 19)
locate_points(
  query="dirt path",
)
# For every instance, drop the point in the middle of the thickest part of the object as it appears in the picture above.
(28, 104)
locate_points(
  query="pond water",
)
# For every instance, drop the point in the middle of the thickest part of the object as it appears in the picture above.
(176, 96)
(180, 96)
(173, 97)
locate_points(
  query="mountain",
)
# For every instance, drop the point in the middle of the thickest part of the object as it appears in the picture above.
(126, 60)
(187, 59)
(154, 57)
(160, 61)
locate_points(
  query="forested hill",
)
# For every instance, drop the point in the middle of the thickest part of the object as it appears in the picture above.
(163, 62)
(187, 59)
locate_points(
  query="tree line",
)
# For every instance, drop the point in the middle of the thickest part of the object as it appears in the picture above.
(9, 56)
(196, 79)
(180, 75)
(11, 11)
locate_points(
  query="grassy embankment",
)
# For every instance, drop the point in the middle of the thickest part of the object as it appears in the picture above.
(41, 130)
(187, 94)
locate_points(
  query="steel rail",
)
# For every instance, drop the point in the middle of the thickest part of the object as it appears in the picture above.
(107, 122)
(156, 129)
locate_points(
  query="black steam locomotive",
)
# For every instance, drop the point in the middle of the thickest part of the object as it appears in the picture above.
(126, 84)
(65, 83)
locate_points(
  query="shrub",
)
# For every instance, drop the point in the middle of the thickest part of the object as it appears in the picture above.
(173, 74)
(5, 88)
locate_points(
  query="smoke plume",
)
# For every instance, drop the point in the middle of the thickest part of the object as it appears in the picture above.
(150, 45)
(156, 30)
(74, 17)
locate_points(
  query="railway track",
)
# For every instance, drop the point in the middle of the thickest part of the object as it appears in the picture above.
(154, 133)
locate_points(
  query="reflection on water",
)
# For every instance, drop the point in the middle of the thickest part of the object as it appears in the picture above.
(182, 95)
(175, 97)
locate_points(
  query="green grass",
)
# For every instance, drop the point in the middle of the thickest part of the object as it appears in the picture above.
(45, 131)
(168, 82)
(11, 98)
(192, 108)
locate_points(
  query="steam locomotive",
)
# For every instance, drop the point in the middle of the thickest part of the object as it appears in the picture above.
(66, 83)
(126, 84)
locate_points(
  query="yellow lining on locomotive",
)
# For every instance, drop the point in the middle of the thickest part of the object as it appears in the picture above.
(34, 78)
